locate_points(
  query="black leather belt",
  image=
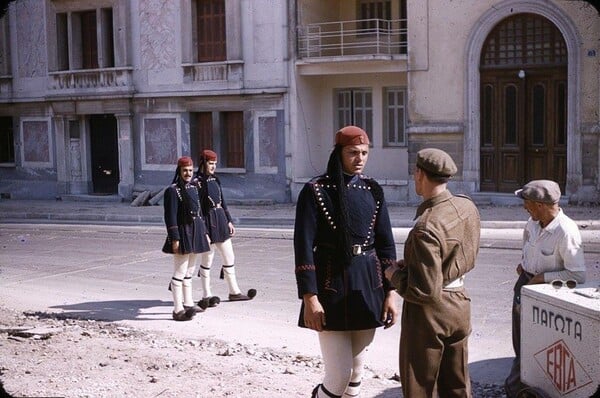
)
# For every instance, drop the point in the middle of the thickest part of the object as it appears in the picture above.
(357, 250)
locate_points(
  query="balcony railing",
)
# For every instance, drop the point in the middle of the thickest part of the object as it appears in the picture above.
(104, 80)
(348, 38)
(227, 71)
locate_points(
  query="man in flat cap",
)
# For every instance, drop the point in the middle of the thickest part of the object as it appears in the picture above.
(342, 241)
(551, 251)
(438, 252)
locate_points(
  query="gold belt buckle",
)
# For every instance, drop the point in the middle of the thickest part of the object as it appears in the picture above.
(356, 249)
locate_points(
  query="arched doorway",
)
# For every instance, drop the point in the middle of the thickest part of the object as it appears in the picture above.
(523, 104)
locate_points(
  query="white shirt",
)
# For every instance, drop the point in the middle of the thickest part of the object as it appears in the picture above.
(554, 248)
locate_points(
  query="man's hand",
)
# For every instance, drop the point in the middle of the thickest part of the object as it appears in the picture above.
(539, 278)
(390, 309)
(391, 270)
(314, 314)
(520, 269)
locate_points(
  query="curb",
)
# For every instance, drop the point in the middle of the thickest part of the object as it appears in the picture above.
(284, 222)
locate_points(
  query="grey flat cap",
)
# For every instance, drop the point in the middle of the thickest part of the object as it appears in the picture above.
(545, 191)
(436, 162)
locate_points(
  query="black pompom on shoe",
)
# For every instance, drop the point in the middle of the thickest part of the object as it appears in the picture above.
(196, 308)
(207, 302)
(184, 315)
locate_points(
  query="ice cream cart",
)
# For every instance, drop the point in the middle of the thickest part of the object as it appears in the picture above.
(560, 339)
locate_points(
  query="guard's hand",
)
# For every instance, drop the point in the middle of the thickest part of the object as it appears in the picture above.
(314, 314)
(390, 309)
(231, 229)
(519, 269)
(175, 246)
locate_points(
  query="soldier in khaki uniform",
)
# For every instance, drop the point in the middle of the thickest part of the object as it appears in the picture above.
(436, 314)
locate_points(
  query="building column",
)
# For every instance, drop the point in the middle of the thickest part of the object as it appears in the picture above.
(62, 175)
(124, 123)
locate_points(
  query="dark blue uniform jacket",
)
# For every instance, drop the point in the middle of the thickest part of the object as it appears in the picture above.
(351, 293)
(184, 220)
(214, 208)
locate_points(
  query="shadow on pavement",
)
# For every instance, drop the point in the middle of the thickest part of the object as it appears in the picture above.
(484, 371)
(115, 310)
(395, 392)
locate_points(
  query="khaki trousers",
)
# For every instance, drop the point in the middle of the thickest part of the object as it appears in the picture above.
(434, 347)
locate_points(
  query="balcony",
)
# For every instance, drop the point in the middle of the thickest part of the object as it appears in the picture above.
(111, 81)
(355, 39)
(214, 75)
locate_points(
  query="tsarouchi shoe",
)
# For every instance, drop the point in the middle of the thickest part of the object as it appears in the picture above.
(185, 314)
(197, 308)
(211, 301)
(243, 297)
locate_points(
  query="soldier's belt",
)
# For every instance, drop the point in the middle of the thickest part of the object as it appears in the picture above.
(455, 284)
(357, 250)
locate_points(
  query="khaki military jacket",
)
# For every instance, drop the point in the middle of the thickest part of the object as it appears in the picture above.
(441, 247)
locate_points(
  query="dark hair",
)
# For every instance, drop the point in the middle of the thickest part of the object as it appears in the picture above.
(201, 165)
(336, 174)
(188, 202)
(434, 177)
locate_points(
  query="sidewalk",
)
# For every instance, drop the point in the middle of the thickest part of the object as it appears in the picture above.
(271, 215)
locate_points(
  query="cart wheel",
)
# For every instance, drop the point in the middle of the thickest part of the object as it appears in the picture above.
(532, 392)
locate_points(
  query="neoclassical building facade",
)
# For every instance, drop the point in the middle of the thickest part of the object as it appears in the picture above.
(510, 88)
(101, 97)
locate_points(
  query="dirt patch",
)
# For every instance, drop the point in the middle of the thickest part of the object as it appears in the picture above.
(52, 355)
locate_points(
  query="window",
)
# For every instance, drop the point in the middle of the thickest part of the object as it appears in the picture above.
(394, 106)
(7, 143)
(4, 48)
(524, 39)
(84, 39)
(370, 11)
(223, 132)
(209, 30)
(355, 107)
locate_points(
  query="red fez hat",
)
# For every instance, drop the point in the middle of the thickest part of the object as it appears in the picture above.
(185, 161)
(351, 135)
(209, 155)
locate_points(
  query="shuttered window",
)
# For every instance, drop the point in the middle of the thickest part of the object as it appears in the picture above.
(355, 107)
(394, 117)
(222, 132)
(210, 26)
(90, 43)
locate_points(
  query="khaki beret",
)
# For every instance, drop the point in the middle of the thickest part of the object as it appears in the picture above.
(436, 162)
(545, 191)
(351, 135)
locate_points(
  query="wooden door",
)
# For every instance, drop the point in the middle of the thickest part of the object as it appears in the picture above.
(523, 104)
(502, 125)
(546, 126)
(523, 127)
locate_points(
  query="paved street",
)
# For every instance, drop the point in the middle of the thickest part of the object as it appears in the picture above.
(118, 273)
